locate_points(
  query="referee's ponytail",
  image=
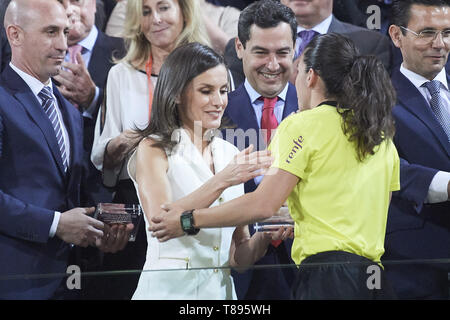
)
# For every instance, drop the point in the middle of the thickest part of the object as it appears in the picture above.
(360, 85)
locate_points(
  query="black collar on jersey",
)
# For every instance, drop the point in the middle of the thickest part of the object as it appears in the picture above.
(329, 103)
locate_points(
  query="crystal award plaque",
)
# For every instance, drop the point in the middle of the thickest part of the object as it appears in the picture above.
(118, 213)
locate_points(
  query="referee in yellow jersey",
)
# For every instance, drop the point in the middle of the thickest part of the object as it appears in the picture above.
(336, 165)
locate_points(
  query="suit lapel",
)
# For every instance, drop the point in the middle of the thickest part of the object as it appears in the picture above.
(241, 110)
(337, 26)
(291, 103)
(26, 98)
(98, 64)
(414, 102)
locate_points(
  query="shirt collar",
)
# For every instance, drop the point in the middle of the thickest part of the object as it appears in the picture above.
(254, 95)
(89, 42)
(321, 28)
(418, 80)
(35, 85)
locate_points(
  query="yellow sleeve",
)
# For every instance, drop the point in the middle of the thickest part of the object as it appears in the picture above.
(290, 145)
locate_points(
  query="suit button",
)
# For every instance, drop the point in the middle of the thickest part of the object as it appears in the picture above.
(215, 248)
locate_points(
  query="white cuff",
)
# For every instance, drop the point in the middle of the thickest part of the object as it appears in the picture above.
(88, 112)
(438, 191)
(54, 224)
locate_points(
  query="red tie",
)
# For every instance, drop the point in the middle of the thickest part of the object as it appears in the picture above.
(268, 119)
(269, 122)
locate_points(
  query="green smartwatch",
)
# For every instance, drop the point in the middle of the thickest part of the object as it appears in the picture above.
(187, 223)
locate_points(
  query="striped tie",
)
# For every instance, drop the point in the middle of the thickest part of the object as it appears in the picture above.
(437, 105)
(48, 103)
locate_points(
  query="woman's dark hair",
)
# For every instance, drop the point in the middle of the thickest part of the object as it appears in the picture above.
(265, 14)
(360, 85)
(181, 66)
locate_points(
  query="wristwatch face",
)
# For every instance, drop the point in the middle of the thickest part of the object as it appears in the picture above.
(186, 222)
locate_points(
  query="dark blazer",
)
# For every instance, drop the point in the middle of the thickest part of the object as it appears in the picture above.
(101, 61)
(32, 186)
(368, 42)
(416, 230)
(265, 283)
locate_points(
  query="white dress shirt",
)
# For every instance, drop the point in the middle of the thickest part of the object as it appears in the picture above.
(258, 105)
(127, 108)
(438, 191)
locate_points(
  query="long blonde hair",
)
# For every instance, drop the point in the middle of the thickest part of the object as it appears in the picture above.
(139, 48)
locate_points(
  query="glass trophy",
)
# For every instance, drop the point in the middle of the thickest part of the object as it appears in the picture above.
(119, 213)
(281, 219)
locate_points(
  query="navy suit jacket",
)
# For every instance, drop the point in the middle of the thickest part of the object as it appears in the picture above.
(265, 283)
(32, 186)
(416, 230)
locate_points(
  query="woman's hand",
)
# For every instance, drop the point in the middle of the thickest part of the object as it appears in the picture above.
(167, 225)
(245, 165)
(119, 147)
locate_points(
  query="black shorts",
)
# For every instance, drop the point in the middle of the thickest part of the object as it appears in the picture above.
(333, 275)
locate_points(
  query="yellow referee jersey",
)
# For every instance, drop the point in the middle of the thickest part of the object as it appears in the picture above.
(339, 202)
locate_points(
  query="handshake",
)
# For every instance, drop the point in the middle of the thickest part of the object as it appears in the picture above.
(109, 226)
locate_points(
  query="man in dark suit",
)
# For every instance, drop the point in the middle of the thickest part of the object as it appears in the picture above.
(266, 47)
(315, 17)
(5, 50)
(41, 156)
(88, 60)
(419, 216)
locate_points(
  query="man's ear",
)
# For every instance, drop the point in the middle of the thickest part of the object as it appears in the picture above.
(239, 48)
(396, 35)
(15, 35)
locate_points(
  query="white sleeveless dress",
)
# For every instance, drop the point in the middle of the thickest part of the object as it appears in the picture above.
(203, 257)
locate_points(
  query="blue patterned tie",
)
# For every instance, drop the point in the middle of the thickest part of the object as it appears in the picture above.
(49, 106)
(437, 105)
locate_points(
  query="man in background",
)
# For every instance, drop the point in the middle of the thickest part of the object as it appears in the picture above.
(419, 217)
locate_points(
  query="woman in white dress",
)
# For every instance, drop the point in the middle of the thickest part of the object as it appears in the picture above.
(153, 29)
(180, 160)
